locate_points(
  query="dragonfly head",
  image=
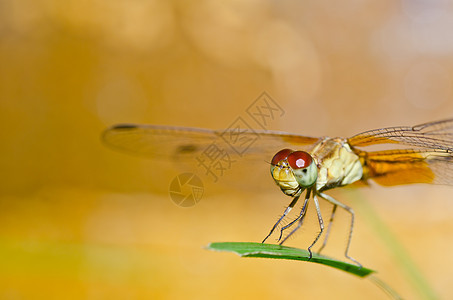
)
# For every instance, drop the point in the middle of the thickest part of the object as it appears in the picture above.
(293, 170)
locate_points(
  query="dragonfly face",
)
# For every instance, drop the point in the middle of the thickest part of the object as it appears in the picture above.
(293, 171)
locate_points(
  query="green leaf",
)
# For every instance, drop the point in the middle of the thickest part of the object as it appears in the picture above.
(283, 252)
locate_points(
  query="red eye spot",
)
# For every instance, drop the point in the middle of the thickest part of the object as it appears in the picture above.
(299, 159)
(281, 155)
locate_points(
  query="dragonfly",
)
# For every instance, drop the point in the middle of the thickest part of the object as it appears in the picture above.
(310, 166)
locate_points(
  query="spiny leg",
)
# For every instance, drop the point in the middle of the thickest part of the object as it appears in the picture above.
(348, 209)
(301, 220)
(321, 225)
(287, 210)
(332, 215)
(300, 217)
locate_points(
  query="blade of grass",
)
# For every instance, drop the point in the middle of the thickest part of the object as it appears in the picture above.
(283, 252)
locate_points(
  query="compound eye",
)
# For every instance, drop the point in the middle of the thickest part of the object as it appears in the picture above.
(281, 155)
(299, 160)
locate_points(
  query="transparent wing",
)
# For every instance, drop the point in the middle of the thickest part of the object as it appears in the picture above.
(183, 142)
(427, 157)
(433, 135)
(395, 167)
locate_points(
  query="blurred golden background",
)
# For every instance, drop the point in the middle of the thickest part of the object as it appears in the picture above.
(80, 221)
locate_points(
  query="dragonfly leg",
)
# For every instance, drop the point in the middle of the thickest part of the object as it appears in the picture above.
(332, 215)
(300, 218)
(348, 209)
(287, 210)
(321, 225)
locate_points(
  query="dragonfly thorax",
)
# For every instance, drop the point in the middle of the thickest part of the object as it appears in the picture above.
(338, 165)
